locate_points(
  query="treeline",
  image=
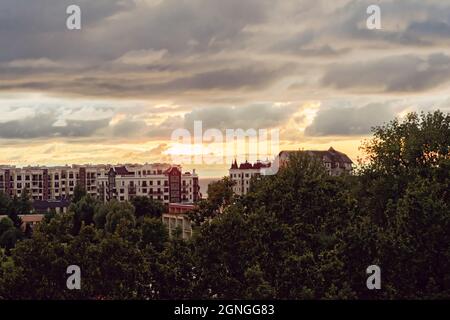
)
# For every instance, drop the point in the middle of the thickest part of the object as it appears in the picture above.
(300, 234)
(10, 227)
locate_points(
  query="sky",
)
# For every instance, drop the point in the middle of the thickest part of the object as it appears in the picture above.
(116, 90)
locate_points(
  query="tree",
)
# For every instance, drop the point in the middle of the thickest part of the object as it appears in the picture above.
(282, 239)
(84, 210)
(78, 193)
(112, 207)
(24, 204)
(119, 212)
(146, 206)
(5, 203)
(220, 195)
(174, 272)
(154, 233)
(5, 224)
(112, 267)
(405, 206)
(9, 238)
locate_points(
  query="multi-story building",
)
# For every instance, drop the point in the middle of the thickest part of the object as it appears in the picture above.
(242, 175)
(177, 217)
(335, 162)
(162, 182)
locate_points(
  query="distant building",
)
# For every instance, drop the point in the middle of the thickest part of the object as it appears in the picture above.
(163, 182)
(30, 220)
(177, 217)
(242, 174)
(335, 162)
(45, 206)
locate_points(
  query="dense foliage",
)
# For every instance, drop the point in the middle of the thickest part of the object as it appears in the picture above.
(300, 234)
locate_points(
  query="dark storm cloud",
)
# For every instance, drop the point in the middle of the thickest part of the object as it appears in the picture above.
(36, 29)
(250, 77)
(406, 73)
(42, 55)
(257, 116)
(349, 121)
(404, 23)
(42, 125)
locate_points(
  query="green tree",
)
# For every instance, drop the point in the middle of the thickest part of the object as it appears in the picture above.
(119, 211)
(220, 195)
(146, 206)
(84, 211)
(5, 203)
(9, 238)
(6, 224)
(78, 193)
(154, 233)
(405, 206)
(25, 205)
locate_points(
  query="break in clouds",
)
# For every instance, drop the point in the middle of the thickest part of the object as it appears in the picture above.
(148, 67)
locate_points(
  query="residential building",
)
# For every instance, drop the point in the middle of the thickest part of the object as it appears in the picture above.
(242, 175)
(163, 182)
(177, 217)
(335, 162)
(30, 220)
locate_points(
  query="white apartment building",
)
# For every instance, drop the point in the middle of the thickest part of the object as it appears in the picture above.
(242, 175)
(162, 182)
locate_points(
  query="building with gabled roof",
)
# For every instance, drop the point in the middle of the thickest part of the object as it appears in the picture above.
(335, 162)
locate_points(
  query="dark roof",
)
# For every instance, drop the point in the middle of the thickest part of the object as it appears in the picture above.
(247, 165)
(50, 204)
(122, 170)
(330, 155)
(260, 165)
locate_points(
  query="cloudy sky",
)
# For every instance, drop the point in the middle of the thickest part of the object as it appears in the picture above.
(140, 69)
